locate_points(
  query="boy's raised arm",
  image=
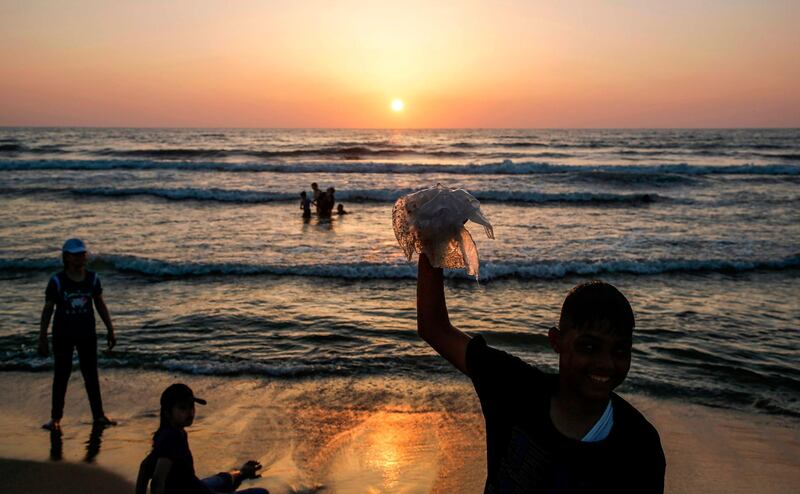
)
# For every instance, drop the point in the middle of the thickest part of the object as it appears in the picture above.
(433, 323)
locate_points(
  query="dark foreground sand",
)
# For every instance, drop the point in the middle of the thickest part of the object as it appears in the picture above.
(377, 435)
(63, 478)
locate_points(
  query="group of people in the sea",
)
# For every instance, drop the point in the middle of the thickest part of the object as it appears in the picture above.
(323, 201)
(566, 432)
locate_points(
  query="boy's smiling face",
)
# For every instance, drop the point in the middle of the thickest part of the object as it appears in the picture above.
(592, 360)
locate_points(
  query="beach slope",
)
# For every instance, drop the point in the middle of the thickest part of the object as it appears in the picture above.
(378, 434)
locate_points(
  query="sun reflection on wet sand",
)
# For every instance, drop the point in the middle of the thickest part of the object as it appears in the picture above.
(376, 435)
(390, 436)
(387, 452)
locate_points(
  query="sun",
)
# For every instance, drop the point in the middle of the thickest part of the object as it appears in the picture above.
(398, 105)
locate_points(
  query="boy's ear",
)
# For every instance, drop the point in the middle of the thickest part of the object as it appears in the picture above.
(554, 336)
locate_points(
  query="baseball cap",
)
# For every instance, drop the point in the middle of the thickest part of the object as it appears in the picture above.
(74, 246)
(178, 393)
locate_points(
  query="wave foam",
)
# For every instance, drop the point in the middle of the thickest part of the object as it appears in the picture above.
(506, 167)
(489, 270)
(366, 195)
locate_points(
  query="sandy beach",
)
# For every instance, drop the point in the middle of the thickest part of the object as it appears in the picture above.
(228, 195)
(361, 435)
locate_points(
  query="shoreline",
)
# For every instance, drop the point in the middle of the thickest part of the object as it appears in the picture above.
(354, 435)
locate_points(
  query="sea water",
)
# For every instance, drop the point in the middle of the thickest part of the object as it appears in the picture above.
(209, 268)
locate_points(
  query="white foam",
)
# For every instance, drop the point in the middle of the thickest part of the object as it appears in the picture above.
(489, 270)
(357, 195)
(506, 167)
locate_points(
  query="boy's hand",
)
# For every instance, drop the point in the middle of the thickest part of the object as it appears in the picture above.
(250, 470)
(111, 339)
(44, 348)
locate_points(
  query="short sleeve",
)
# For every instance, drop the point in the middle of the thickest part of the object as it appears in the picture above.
(97, 287)
(51, 292)
(655, 468)
(496, 374)
(640, 444)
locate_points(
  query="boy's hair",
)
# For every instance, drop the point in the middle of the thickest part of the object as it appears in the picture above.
(303, 194)
(596, 302)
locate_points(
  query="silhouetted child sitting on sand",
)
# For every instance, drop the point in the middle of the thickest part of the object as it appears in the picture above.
(555, 433)
(170, 464)
(340, 210)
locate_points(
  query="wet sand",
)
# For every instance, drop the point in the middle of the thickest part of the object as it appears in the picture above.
(374, 435)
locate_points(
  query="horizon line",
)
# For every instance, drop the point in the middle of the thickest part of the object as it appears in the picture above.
(167, 127)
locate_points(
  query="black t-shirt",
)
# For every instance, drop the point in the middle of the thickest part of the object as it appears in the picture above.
(527, 454)
(74, 306)
(173, 444)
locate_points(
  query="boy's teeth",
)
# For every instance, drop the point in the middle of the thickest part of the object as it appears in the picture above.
(600, 379)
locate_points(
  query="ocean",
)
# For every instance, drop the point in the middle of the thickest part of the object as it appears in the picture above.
(209, 269)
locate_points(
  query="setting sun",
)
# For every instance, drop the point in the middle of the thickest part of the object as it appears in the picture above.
(398, 105)
(291, 219)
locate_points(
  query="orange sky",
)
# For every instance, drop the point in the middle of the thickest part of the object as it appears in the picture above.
(248, 63)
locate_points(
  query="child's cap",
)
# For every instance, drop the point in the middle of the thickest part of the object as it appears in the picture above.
(74, 246)
(178, 393)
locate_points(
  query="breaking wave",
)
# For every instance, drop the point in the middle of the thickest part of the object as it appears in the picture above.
(355, 271)
(506, 167)
(367, 195)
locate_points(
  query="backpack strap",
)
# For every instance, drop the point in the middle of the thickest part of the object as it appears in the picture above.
(57, 281)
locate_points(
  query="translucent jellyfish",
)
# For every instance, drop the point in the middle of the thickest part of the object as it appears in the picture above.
(432, 221)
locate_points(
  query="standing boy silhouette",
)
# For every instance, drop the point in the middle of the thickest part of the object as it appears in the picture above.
(71, 293)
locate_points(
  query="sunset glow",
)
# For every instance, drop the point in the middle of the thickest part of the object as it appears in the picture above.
(474, 64)
(398, 105)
